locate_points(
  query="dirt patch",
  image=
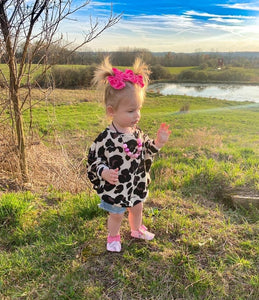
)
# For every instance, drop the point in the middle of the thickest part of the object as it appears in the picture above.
(11, 185)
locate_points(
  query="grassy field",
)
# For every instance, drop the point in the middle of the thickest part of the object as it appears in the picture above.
(53, 242)
(178, 70)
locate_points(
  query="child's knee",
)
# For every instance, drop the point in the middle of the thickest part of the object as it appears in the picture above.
(136, 208)
(117, 217)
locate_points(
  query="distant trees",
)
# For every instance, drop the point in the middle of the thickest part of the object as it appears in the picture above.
(126, 56)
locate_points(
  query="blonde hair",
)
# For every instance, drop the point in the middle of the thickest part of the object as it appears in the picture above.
(113, 96)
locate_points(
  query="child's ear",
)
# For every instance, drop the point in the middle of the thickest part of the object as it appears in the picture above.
(110, 111)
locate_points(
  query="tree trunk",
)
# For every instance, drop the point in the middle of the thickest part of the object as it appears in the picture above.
(15, 100)
(20, 135)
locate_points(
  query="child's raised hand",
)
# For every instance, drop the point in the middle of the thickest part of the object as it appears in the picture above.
(163, 134)
(110, 175)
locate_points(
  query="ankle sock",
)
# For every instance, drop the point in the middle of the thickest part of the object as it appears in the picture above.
(114, 243)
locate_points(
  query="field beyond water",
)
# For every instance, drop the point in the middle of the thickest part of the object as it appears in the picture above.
(52, 241)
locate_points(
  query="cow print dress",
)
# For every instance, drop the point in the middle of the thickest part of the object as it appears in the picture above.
(107, 151)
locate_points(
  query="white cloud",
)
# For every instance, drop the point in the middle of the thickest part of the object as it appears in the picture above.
(230, 21)
(172, 23)
(179, 33)
(202, 14)
(246, 32)
(96, 3)
(242, 6)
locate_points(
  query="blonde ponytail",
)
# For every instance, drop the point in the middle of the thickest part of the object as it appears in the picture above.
(141, 68)
(102, 71)
(112, 92)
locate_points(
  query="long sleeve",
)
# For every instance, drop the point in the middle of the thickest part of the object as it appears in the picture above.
(150, 147)
(149, 152)
(96, 163)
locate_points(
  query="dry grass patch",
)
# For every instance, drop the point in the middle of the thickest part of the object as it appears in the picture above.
(54, 167)
(201, 137)
(8, 156)
(48, 166)
(65, 96)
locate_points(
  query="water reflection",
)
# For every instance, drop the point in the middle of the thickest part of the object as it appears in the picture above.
(221, 91)
(199, 88)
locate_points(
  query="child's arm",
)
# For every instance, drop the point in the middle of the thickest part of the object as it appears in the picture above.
(96, 163)
(153, 146)
(163, 134)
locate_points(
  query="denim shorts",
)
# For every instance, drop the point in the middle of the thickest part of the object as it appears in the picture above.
(112, 208)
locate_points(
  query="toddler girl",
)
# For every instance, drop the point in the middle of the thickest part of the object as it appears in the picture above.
(120, 158)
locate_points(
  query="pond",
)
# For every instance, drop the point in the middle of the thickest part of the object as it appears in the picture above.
(234, 92)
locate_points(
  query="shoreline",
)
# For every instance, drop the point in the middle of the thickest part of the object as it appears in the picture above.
(205, 82)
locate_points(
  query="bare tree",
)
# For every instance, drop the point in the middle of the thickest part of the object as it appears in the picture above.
(23, 23)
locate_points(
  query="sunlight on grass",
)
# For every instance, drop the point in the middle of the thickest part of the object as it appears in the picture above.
(53, 239)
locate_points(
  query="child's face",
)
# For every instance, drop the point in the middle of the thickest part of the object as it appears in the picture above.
(128, 112)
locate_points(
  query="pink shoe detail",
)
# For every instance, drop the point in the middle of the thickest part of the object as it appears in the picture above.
(142, 233)
(114, 243)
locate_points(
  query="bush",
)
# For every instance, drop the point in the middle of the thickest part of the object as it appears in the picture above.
(203, 66)
(229, 75)
(72, 77)
(159, 72)
(64, 77)
(201, 76)
(187, 75)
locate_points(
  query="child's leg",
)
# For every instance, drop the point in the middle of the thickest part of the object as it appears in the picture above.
(113, 239)
(135, 216)
(135, 220)
(114, 223)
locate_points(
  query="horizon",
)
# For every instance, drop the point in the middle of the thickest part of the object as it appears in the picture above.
(171, 26)
(164, 52)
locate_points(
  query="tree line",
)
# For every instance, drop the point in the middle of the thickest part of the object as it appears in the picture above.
(62, 55)
(58, 54)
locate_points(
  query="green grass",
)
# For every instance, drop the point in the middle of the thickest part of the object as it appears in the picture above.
(178, 70)
(68, 118)
(53, 243)
(36, 70)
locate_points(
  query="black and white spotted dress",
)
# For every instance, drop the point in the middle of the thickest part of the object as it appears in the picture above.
(134, 178)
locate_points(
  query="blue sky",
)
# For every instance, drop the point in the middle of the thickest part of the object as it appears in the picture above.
(177, 26)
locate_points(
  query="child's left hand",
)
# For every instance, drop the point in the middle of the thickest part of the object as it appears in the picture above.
(163, 134)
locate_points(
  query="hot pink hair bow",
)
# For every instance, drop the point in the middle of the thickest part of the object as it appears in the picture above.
(117, 81)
